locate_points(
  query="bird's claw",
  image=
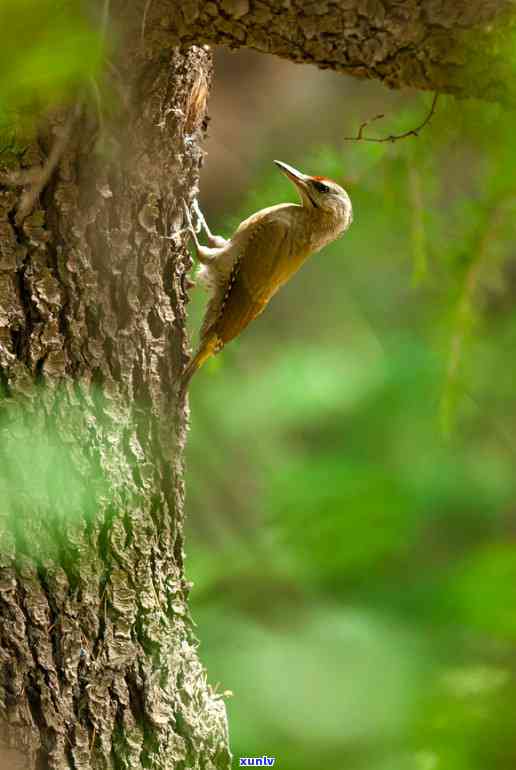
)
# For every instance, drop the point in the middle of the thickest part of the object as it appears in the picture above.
(189, 225)
(201, 222)
(189, 284)
(200, 219)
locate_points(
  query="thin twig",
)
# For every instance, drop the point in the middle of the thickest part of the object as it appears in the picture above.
(105, 20)
(42, 176)
(359, 137)
(39, 176)
(144, 23)
(392, 137)
(104, 24)
(98, 103)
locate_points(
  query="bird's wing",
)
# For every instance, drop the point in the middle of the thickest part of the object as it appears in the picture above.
(251, 283)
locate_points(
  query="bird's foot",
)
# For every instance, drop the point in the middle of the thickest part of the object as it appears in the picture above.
(201, 221)
(205, 254)
(189, 283)
(214, 240)
(189, 224)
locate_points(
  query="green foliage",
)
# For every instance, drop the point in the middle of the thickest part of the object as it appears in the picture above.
(351, 469)
(483, 590)
(48, 490)
(48, 50)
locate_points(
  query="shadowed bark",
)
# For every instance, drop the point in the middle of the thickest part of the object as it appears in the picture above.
(462, 47)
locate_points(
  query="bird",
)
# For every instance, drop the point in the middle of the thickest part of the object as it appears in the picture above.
(243, 273)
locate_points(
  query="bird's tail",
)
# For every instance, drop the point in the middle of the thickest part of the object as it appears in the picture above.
(206, 350)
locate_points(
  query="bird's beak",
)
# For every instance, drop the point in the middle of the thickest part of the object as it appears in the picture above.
(296, 176)
(300, 180)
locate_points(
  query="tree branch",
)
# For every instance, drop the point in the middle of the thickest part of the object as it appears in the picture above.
(392, 137)
(462, 47)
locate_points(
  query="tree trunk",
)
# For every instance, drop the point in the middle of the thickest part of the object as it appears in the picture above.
(98, 659)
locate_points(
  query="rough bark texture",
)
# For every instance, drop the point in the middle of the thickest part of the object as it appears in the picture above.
(457, 46)
(98, 661)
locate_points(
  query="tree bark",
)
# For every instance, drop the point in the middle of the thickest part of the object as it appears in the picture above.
(99, 667)
(464, 47)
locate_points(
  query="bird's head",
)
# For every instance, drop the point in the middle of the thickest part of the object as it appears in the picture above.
(318, 192)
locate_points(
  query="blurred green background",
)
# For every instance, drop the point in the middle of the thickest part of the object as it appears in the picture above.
(350, 491)
(350, 486)
(49, 50)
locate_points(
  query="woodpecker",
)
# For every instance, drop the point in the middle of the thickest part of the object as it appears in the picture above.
(243, 273)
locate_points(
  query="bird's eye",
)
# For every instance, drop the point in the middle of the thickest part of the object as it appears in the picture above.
(320, 187)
